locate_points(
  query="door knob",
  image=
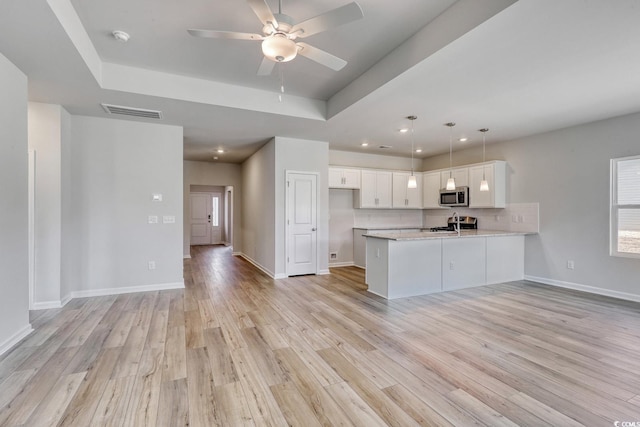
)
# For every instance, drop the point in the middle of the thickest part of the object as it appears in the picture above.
(313, 229)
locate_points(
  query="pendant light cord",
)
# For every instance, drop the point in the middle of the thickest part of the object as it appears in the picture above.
(484, 136)
(451, 125)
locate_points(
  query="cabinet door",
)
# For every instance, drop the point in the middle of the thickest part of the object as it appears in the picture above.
(351, 178)
(368, 181)
(335, 178)
(463, 263)
(400, 180)
(461, 175)
(384, 189)
(414, 195)
(477, 198)
(431, 190)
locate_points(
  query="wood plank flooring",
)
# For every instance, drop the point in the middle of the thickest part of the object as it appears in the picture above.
(236, 348)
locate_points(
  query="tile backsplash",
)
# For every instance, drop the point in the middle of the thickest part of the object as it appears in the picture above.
(521, 217)
(387, 218)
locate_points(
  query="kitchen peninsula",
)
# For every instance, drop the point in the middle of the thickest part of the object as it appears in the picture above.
(408, 264)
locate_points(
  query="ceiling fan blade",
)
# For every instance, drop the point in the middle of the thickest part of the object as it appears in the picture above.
(333, 18)
(321, 57)
(266, 67)
(263, 12)
(212, 34)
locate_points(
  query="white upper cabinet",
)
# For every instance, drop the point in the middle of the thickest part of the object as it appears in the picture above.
(375, 189)
(461, 175)
(344, 178)
(495, 174)
(403, 196)
(431, 190)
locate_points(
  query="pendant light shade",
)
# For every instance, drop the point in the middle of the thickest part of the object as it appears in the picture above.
(412, 182)
(484, 185)
(451, 182)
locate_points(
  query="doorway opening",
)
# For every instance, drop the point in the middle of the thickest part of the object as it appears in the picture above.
(211, 215)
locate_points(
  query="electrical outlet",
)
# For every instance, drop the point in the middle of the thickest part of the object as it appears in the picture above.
(514, 218)
(333, 255)
(570, 264)
(153, 219)
(450, 265)
(520, 218)
(377, 253)
(152, 265)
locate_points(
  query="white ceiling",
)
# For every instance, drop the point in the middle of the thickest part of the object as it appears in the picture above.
(519, 68)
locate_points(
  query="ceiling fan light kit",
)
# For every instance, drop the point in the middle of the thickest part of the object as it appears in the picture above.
(279, 48)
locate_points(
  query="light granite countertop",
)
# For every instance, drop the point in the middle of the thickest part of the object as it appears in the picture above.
(401, 227)
(424, 235)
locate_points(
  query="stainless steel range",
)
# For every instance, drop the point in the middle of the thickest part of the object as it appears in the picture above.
(466, 223)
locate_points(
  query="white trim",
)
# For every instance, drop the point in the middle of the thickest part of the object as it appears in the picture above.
(280, 276)
(65, 300)
(46, 305)
(323, 272)
(31, 190)
(186, 256)
(360, 267)
(15, 338)
(584, 288)
(341, 264)
(127, 290)
(258, 266)
(236, 253)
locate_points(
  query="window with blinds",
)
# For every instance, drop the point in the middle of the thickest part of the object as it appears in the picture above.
(625, 207)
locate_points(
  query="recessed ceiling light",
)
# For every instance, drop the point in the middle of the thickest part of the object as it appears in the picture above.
(418, 150)
(220, 150)
(404, 130)
(365, 144)
(215, 157)
(463, 139)
(121, 36)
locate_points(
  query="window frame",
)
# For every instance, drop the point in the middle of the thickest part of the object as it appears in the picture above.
(614, 209)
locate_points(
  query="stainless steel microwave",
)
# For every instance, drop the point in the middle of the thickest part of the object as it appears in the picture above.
(457, 197)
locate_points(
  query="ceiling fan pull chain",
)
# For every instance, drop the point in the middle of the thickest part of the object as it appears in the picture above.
(280, 67)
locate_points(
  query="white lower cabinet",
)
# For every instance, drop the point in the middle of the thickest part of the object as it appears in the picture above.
(403, 268)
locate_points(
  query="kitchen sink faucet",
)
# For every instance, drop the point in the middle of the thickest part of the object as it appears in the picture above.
(457, 218)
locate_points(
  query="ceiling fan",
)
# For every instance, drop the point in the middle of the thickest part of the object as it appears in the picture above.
(280, 34)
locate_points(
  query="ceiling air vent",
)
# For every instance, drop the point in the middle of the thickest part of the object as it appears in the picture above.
(133, 112)
(385, 146)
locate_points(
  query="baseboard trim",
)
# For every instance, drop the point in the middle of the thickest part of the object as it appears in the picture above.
(258, 266)
(65, 300)
(186, 256)
(15, 339)
(323, 272)
(584, 288)
(46, 305)
(280, 276)
(236, 254)
(341, 264)
(127, 290)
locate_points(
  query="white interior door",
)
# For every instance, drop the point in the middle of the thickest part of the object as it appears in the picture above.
(301, 223)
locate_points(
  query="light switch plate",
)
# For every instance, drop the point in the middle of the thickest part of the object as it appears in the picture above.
(156, 197)
(153, 219)
(168, 219)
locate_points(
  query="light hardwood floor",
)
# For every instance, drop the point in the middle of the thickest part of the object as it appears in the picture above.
(237, 348)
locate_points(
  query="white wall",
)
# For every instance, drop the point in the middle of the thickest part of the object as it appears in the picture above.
(220, 174)
(301, 155)
(45, 123)
(567, 172)
(14, 264)
(116, 167)
(258, 208)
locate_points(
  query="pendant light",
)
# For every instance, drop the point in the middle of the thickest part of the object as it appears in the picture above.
(451, 182)
(412, 182)
(484, 185)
